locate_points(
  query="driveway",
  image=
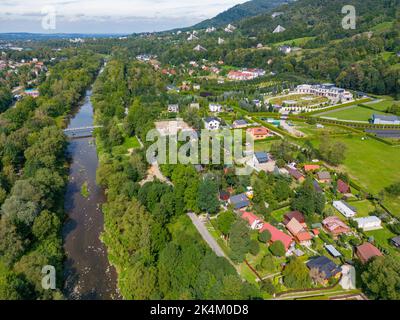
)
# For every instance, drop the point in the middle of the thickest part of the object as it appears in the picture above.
(201, 228)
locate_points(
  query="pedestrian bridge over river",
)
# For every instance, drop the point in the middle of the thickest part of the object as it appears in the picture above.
(81, 132)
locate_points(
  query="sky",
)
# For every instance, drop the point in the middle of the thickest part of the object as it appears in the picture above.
(106, 16)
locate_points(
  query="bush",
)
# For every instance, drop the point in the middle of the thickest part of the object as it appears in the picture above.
(395, 228)
(264, 236)
(254, 247)
(268, 287)
(278, 249)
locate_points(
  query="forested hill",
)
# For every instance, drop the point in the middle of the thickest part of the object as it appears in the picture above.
(322, 18)
(241, 11)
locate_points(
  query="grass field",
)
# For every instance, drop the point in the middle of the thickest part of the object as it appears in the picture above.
(298, 42)
(371, 164)
(383, 105)
(356, 114)
(129, 143)
(364, 207)
(382, 238)
(263, 145)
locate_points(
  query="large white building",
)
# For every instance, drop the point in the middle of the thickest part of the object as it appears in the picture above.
(369, 223)
(345, 209)
(384, 119)
(326, 90)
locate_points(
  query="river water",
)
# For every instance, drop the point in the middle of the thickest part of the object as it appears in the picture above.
(87, 272)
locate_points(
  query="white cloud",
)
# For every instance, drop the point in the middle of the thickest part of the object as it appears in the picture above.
(119, 8)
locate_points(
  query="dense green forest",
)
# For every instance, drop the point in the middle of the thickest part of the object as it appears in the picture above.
(33, 173)
(241, 11)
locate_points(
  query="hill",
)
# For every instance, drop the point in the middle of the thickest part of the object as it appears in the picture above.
(241, 11)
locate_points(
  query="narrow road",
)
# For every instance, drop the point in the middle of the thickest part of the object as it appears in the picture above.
(206, 235)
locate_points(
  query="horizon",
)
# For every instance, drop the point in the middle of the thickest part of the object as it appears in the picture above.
(119, 17)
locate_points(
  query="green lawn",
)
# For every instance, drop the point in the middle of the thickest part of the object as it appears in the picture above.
(263, 145)
(129, 143)
(383, 105)
(371, 164)
(382, 238)
(357, 114)
(301, 99)
(364, 207)
(298, 42)
(278, 214)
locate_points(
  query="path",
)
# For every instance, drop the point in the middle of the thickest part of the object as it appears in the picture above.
(201, 228)
(155, 172)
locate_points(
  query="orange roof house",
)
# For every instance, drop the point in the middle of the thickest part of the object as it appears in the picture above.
(254, 221)
(367, 251)
(311, 167)
(258, 133)
(299, 232)
(335, 226)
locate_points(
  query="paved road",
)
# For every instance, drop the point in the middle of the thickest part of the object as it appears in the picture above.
(206, 235)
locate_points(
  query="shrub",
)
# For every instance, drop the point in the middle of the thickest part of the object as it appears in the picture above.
(264, 236)
(278, 249)
(268, 287)
(254, 247)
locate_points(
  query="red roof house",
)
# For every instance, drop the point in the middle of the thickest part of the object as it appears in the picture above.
(254, 221)
(343, 187)
(299, 232)
(367, 251)
(277, 235)
(293, 214)
(335, 226)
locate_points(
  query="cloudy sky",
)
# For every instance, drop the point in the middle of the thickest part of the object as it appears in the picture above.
(106, 16)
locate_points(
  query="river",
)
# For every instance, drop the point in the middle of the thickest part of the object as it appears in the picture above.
(87, 272)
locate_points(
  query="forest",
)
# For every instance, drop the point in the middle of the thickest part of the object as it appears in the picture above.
(33, 173)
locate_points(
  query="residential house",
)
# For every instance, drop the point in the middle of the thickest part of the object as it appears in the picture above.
(384, 119)
(299, 232)
(369, 223)
(367, 251)
(343, 187)
(239, 201)
(285, 49)
(258, 133)
(279, 29)
(214, 107)
(239, 124)
(396, 241)
(325, 266)
(345, 209)
(199, 48)
(255, 222)
(224, 195)
(260, 158)
(277, 235)
(212, 123)
(173, 108)
(324, 177)
(294, 214)
(296, 174)
(311, 167)
(221, 41)
(335, 226)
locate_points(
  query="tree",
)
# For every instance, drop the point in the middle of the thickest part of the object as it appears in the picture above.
(267, 263)
(268, 287)
(333, 152)
(296, 275)
(208, 196)
(278, 248)
(45, 225)
(12, 286)
(254, 247)
(225, 221)
(317, 276)
(264, 236)
(381, 278)
(239, 240)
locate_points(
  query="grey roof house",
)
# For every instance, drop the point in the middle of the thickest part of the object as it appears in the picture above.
(239, 201)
